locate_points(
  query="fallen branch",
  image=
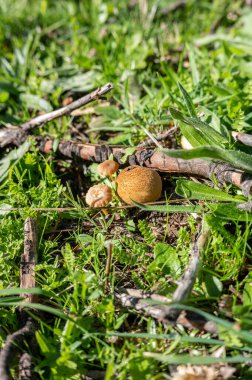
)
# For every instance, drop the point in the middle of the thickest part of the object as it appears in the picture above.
(15, 342)
(12, 347)
(151, 158)
(188, 279)
(243, 138)
(132, 298)
(136, 299)
(29, 258)
(17, 135)
(142, 156)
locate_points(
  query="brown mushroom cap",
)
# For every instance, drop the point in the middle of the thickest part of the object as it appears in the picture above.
(99, 195)
(139, 184)
(107, 168)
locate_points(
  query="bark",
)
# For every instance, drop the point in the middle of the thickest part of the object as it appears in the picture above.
(154, 159)
(15, 343)
(136, 299)
(13, 346)
(29, 258)
(243, 138)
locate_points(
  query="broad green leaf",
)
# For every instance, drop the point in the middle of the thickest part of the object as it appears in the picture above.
(12, 158)
(215, 122)
(166, 259)
(188, 101)
(169, 208)
(35, 102)
(195, 137)
(229, 212)
(235, 158)
(213, 285)
(210, 133)
(193, 190)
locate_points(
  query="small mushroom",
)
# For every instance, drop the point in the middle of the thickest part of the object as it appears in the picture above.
(107, 168)
(139, 184)
(99, 195)
(185, 143)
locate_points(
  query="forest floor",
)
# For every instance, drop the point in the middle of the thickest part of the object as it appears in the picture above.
(101, 304)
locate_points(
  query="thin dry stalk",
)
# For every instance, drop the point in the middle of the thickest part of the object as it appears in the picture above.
(108, 267)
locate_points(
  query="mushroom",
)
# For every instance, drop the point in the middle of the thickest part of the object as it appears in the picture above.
(107, 168)
(99, 195)
(136, 183)
(185, 143)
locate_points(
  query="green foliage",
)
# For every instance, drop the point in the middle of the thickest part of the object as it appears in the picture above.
(166, 66)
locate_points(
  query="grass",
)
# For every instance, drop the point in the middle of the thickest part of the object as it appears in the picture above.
(53, 50)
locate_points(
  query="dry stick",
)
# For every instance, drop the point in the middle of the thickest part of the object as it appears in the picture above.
(243, 138)
(136, 299)
(15, 342)
(188, 279)
(160, 136)
(151, 158)
(173, 7)
(17, 135)
(39, 120)
(29, 258)
(12, 348)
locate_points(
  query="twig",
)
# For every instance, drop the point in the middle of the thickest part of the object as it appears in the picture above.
(151, 158)
(15, 342)
(163, 312)
(17, 135)
(108, 266)
(173, 7)
(42, 119)
(29, 258)
(136, 299)
(12, 347)
(160, 136)
(243, 138)
(188, 279)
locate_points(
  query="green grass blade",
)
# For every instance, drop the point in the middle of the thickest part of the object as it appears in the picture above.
(188, 101)
(169, 208)
(235, 158)
(195, 360)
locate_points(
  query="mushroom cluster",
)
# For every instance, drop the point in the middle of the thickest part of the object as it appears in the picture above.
(134, 183)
